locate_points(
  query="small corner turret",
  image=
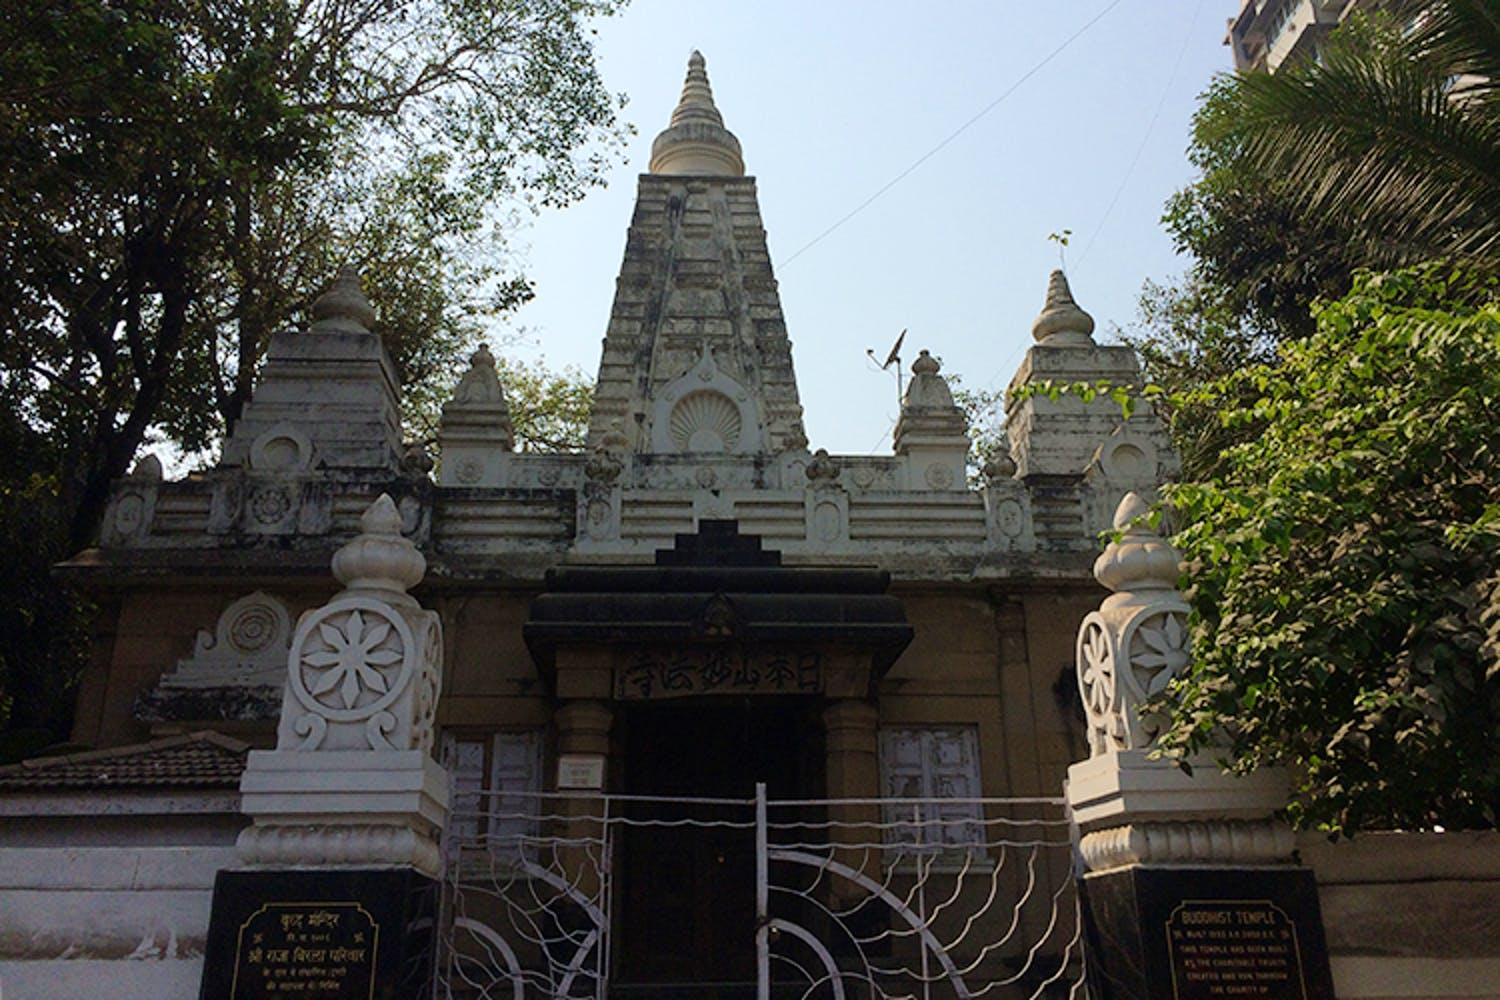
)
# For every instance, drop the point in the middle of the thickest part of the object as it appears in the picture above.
(328, 395)
(1068, 437)
(475, 431)
(932, 433)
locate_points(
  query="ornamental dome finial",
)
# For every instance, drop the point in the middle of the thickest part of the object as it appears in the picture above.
(696, 142)
(1062, 322)
(1141, 559)
(380, 557)
(344, 308)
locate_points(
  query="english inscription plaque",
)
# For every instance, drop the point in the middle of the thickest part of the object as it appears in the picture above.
(337, 934)
(1233, 948)
(1205, 934)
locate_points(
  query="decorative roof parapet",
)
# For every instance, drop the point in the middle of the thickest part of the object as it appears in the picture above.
(696, 142)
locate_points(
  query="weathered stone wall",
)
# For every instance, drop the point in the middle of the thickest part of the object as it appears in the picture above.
(1410, 915)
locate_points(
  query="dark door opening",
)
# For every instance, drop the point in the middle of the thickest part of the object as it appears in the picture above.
(686, 894)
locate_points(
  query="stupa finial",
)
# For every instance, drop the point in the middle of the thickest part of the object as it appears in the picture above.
(344, 307)
(696, 142)
(1061, 321)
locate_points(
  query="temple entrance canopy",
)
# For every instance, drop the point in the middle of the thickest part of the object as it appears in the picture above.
(712, 671)
(716, 622)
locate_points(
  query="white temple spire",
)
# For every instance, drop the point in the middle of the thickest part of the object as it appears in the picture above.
(696, 142)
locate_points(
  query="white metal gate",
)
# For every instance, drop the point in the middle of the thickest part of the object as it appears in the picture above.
(868, 898)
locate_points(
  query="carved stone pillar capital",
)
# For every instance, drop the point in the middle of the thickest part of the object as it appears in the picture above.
(352, 780)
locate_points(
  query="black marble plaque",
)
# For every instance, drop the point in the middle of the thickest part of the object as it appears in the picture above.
(329, 935)
(1206, 934)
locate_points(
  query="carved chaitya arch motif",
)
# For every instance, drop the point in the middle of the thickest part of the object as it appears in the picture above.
(248, 645)
(705, 411)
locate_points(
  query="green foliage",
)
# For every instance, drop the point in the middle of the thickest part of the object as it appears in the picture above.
(983, 408)
(1186, 335)
(182, 179)
(1384, 152)
(1382, 138)
(1345, 561)
(549, 409)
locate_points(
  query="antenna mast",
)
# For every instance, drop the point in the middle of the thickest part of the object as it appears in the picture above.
(893, 358)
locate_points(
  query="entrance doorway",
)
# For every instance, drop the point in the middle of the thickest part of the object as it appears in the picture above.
(686, 893)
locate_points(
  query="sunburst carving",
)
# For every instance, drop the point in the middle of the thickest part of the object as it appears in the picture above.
(705, 421)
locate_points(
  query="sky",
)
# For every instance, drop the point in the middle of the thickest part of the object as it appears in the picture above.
(831, 102)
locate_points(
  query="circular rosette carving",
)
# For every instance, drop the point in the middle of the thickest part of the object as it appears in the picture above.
(351, 659)
(1098, 684)
(1155, 649)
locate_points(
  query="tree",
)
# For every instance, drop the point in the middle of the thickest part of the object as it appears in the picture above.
(1392, 136)
(1383, 153)
(1345, 561)
(184, 196)
(182, 179)
(549, 410)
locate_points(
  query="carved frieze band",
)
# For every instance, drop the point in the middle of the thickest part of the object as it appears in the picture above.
(1222, 842)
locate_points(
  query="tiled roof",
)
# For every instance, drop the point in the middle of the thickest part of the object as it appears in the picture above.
(196, 760)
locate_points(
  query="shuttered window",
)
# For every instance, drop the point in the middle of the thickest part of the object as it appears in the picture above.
(928, 765)
(503, 763)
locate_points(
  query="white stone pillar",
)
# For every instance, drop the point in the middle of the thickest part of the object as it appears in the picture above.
(1130, 808)
(352, 781)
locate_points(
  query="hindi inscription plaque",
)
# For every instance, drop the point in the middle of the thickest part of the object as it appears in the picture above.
(336, 934)
(306, 949)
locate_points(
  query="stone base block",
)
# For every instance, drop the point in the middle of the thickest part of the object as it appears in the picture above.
(359, 932)
(1200, 933)
(1114, 789)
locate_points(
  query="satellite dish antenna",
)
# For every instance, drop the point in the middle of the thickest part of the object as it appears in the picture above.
(893, 358)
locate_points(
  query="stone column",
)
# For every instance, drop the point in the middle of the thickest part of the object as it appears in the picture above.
(341, 857)
(583, 732)
(1189, 887)
(853, 772)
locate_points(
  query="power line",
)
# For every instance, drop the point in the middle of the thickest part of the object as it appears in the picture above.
(1145, 138)
(1125, 180)
(956, 132)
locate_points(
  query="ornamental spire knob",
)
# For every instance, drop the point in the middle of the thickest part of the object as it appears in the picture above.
(343, 308)
(380, 558)
(1141, 559)
(696, 142)
(1062, 322)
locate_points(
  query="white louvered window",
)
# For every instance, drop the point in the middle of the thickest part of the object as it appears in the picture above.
(464, 759)
(504, 764)
(515, 766)
(926, 766)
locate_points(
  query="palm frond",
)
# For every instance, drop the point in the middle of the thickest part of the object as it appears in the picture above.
(1371, 137)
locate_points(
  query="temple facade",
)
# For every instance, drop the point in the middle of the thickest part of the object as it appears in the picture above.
(701, 601)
